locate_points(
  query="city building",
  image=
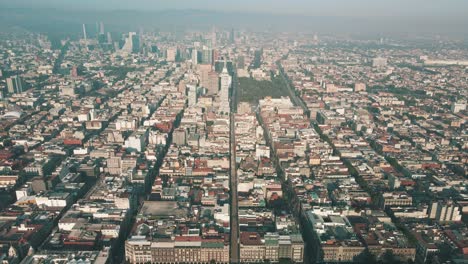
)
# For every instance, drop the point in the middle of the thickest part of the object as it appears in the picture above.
(14, 84)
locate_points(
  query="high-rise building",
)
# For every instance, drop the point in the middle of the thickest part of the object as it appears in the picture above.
(214, 56)
(135, 43)
(195, 56)
(232, 36)
(85, 37)
(102, 34)
(204, 70)
(445, 211)
(213, 38)
(207, 56)
(212, 85)
(128, 46)
(171, 54)
(179, 136)
(181, 87)
(101, 28)
(14, 85)
(192, 94)
(226, 81)
(109, 38)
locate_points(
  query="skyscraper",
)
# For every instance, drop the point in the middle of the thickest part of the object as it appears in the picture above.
(135, 43)
(207, 56)
(232, 36)
(85, 37)
(109, 38)
(102, 34)
(129, 43)
(192, 94)
(101, 28)
(226, 81)
(171, 54)
(195, 56)
(14, 84)
(212, 86)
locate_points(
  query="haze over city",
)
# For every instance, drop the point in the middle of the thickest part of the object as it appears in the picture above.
(202, 131)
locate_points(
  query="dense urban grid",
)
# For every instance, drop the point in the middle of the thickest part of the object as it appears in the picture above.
(231, 146)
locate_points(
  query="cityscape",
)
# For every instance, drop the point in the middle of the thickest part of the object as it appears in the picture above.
(216, 143)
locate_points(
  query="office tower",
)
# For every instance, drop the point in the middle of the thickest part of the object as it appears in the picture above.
(445, 211)
(226, 81)
(109, 38)
(101, 34)
(207, 56)
(204, 70)
(116, 46)
(214, 56)
(184, 54)
(101, 28)
(232, 36)
(135, 43)
(85, 37)
(171, 54)
(195, 56)
(97, 29)
(212, 85)
(14, 84)
(192, 94)
(213, 38)
(128, 46)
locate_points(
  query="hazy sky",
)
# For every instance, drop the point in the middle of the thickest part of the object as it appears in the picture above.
(367, 8)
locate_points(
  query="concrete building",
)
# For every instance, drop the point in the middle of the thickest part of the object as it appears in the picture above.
(192, 94)
(458, 107)
(445, 211)
(207, 56)
(272, 247)
(14, 84)
(226, 81)
(136, 141)
(396, 199)
(171, 54)
(179, 137)
(181, 249)
(194, 56)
